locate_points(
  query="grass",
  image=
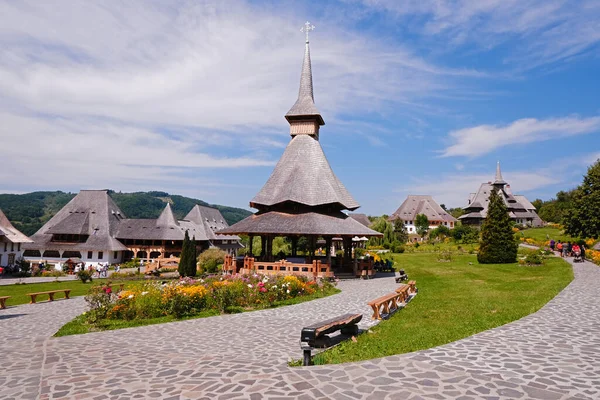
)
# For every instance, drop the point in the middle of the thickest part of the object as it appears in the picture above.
(455, 300)
(546, 233)
(18, 293)
(79, 326)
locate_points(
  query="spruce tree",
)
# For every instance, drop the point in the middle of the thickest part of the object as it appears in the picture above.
(497, 244)
(193, 257)
(185, 255)
(583, 219)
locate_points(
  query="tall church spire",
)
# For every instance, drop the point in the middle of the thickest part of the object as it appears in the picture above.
(304, 110)
(499, 180)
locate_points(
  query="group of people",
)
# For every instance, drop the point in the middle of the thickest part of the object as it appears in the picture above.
(568, 249)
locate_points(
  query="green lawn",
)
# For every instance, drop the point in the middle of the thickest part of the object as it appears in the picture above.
(18, 293)
(455, 300)
(546, 233)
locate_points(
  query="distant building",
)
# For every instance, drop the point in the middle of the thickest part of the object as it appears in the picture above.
(92, 229)
(520, 210)
(422, 204)
(11, 242)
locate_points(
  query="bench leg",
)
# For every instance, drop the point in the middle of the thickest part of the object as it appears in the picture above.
(375, 312)
(50, 296)
(2, 303)
(307, 358)
(32, 298)
(67, 294)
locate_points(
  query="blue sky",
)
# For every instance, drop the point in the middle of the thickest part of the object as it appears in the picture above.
(419, 97)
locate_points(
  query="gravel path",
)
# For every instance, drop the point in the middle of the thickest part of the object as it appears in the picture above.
(552, 354)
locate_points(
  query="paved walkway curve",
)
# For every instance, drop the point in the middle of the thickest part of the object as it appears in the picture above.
(552, 354)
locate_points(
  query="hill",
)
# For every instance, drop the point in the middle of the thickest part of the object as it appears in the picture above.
(28, 212)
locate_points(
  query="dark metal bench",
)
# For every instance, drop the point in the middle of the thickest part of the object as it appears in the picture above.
(403, 276)
(315, 335)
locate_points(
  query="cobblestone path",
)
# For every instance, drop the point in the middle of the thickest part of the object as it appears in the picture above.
(552, 354)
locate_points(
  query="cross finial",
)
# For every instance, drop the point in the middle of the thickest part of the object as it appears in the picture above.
(307, 28)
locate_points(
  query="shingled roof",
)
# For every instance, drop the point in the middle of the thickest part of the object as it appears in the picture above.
(305, 105)
(362, 218)
(303, 175)
(421, 204)
(210, 220)
(518, 206)
(10, 232)
(309, 223)
(91, 212)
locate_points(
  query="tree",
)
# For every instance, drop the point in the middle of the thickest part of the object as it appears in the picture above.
(443, 207)
(400, 231)
(440, 232)
(498, 244)
(465, 234)
(193, 266)
(456, 212)
(187, 257)
(583, 219)
(422, 225)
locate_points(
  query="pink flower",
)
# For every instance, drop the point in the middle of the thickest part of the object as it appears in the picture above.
(263, 289)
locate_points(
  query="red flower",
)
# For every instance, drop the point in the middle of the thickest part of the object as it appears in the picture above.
(263, 289)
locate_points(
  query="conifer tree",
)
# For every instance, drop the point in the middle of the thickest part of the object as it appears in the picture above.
(497, 244)
(185, 256)
(193, 258)
(583, 219)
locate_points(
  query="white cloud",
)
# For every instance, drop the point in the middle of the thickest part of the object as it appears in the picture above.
(150, 91)
(545, 31)
(482, 139)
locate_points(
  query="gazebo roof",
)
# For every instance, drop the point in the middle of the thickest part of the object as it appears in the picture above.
(310, 223)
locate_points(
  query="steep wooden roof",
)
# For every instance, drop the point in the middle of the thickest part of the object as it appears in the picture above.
(309, 223)
(10, 232)
(421, 204)
(303, 175)
(91, 212)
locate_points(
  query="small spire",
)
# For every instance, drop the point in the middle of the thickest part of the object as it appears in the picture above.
(166, 217)
(305, 105)
(499, 180)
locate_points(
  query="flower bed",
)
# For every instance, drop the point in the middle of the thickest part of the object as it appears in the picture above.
(188, 297)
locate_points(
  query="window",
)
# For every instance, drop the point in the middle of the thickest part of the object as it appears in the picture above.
(12, 246)
(116, 254)
(0, 259)
(19, 247)
(100, 255)
(90, 254)
(11, 259)
(5, 246)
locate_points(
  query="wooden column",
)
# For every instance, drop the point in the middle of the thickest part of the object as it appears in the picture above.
(269, 243)
(249, 252)
(294, 246)
(263, 246)
(328, 250)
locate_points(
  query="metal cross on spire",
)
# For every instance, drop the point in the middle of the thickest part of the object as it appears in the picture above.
(307, 28)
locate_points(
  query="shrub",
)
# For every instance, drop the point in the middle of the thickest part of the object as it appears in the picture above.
(53, 273)
(533, 259)
(209, 260)
(397, 247)
(84, 275)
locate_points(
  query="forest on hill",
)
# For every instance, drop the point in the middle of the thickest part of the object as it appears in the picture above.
(28, 212)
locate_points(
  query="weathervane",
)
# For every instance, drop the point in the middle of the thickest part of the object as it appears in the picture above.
(307, 28)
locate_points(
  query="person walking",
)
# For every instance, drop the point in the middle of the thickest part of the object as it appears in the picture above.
(559, 248)
(552, 243)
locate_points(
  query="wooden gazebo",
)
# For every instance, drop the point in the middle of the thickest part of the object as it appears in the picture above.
(302, 197)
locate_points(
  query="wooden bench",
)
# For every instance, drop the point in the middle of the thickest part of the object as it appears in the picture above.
(50, 294)
(121, 286)
(315, 335)
(3, 301)
(403, 291)
(384, 304)
(413, 286)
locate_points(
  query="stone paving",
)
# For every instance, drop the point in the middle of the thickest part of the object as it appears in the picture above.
(552, 354)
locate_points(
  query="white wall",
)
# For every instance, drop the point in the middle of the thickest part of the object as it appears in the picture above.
(107, 257)
(15, 249)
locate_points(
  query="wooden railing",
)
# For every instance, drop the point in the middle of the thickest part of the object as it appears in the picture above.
(315, 270)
